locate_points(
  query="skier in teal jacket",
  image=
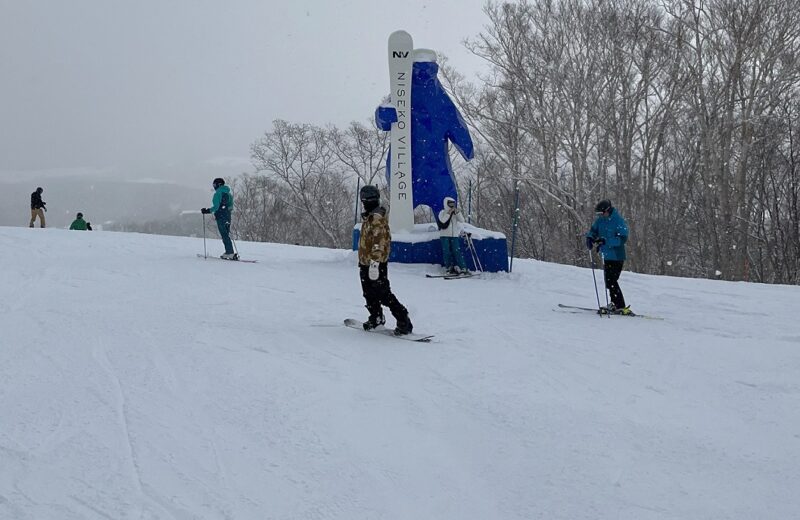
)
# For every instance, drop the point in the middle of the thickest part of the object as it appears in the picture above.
(608, 234)
(221, 208)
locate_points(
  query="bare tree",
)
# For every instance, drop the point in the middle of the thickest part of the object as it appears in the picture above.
(681, 111)
(304, 183)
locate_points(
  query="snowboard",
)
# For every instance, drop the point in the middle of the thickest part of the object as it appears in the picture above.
(356, 324)
(401, 60)
(573, 308)
(223, 259)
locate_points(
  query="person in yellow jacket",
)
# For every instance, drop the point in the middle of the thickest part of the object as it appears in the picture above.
(374, 246)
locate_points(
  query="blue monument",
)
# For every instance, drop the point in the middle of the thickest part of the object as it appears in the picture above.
(424, 121)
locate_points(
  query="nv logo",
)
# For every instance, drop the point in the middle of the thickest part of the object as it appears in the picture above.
(399, 54)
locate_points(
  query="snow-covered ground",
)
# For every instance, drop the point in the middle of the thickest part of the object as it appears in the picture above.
(140, 382)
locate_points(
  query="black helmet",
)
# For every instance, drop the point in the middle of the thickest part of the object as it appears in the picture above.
(370, 198)
(602, 206)
(80, 215)
(219, 181)
(39, 189)
(370, 193)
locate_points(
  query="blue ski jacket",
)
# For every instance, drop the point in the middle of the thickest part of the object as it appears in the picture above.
(615, 232)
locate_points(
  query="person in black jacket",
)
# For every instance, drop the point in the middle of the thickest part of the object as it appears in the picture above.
(37, 207)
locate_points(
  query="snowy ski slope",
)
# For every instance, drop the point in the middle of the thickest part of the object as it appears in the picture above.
(140, 382)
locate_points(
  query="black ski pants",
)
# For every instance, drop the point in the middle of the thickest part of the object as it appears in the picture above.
(611, 271)
(378, 293)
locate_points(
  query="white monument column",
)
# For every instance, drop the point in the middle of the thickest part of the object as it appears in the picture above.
(401, 203)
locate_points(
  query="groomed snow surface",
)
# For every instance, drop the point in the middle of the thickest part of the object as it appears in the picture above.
(140, 382)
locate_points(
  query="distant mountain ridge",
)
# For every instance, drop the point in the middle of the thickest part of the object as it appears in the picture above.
(101, 201)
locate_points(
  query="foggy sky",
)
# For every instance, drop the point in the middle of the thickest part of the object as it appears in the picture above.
(177, 90)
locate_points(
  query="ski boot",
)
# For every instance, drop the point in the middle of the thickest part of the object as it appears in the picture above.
(229, 256)
(607, 309)
(625, 311)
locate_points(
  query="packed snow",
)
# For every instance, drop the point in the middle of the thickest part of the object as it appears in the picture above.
(138, 381)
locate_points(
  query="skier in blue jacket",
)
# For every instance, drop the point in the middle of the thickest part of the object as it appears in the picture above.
(221, 208)
(608, 234)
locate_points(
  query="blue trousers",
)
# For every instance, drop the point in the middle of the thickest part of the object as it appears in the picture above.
(451, 252)
(224, 226)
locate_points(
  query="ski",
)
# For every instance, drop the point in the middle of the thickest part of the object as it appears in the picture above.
(451, 276)
(218, 258)
(589, 309)
(355, 324)
(457, 276)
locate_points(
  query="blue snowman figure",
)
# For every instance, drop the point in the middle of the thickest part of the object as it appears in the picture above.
(435, 121)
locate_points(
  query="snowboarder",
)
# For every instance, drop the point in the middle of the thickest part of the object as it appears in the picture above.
(451, 223)
(608, 235)
(221, 207)
(37, 207)
(374, 245)
(80, 224)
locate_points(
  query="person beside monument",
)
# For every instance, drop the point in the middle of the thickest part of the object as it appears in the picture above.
(451, 224)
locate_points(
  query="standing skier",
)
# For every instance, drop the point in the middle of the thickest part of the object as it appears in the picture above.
(609, 234)
(37, 207)
(450, 223)
(221, 207)
(374, 245)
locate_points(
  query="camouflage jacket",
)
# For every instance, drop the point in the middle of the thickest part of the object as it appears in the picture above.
(375, 241)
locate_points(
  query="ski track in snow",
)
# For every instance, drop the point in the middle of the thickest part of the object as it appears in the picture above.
(138, 381)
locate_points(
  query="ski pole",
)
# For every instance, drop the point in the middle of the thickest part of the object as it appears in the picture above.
(233, 242)
(471, 252)
(205, 251)
(472, 244)
(230, 234)
(474, 252)
(596, 293)
(603, 258)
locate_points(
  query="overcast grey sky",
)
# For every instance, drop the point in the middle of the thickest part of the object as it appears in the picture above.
(178, 89)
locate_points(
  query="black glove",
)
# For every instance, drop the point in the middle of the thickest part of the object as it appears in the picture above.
(589, 242)
(205, 211)
(600, 242)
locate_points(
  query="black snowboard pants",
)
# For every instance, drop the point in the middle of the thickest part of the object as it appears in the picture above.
(611, 271)
(378, 293)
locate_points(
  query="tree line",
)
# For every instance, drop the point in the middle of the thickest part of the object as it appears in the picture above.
(685, 113)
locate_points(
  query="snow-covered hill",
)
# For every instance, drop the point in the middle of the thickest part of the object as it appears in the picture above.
(138, 381)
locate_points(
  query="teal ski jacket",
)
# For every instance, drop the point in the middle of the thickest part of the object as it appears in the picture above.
(222, 201)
